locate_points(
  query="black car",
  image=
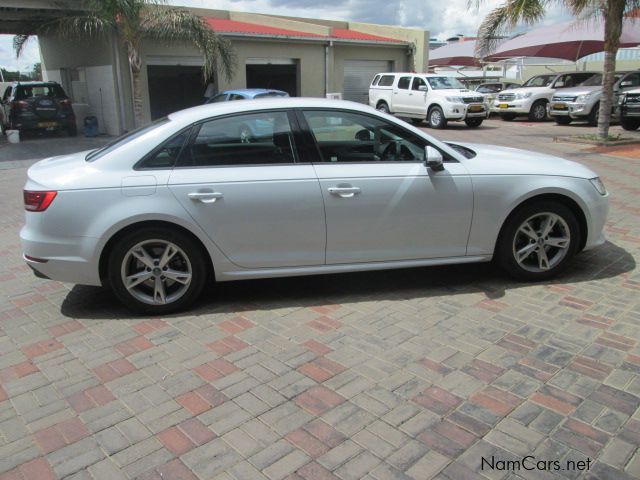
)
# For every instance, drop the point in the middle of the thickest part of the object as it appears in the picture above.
(37, 106)
(629, 108)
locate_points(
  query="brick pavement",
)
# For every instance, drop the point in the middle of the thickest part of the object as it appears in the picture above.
(387, 375)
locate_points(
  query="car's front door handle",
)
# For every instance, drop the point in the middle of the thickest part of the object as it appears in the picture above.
(344, 192)
(205, 197)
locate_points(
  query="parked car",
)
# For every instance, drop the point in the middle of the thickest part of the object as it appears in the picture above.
(37, 106)
(490, 90)
(583, 102)
(246, 94)
(629, 109)
(337, 187)
(419, 96)
(532, 97)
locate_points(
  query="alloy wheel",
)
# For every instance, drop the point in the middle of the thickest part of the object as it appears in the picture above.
(541, 242)
(156, 272)
(436, 117)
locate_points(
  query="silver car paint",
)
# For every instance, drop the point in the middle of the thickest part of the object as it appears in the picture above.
(97, 199)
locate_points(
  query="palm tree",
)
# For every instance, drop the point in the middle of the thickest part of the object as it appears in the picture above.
(512, 12)
(131, 22)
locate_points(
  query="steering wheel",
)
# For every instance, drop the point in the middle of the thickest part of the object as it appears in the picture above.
(389, 152)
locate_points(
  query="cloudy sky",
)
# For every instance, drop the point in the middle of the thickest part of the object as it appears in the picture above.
(441, 18)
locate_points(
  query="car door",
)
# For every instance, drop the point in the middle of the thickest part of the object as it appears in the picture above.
(418, 103)
(402, 95)
(381, 202)
(253, 195)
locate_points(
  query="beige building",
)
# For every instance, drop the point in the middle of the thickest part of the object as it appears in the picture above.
(305, 57)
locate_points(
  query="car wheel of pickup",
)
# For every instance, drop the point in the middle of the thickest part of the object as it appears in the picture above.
(473, 122)
(563, 120)
(630, 123)
(538, 111)
(383, 107)
(157, 271)
(538, 240)
(436, 118)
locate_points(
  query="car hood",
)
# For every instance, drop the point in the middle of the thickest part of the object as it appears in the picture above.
(575, 91)
(495, 160)
(65, 172)
(533, 90)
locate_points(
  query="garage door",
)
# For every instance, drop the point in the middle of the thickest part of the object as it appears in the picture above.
(357, 78)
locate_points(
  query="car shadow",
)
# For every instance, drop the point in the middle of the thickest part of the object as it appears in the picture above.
(607, 261)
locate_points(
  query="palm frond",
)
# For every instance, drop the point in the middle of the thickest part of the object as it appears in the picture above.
(81, 26)
(20, 42)
(175, 25)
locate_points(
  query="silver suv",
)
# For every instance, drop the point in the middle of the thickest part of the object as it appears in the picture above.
(583, 102)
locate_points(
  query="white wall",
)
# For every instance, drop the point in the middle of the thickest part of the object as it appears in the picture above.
(102, 98)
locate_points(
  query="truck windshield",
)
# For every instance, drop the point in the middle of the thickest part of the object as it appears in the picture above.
(596, 80)
(540, 81)
(445, 83)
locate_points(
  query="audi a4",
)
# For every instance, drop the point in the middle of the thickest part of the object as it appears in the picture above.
(285, 187)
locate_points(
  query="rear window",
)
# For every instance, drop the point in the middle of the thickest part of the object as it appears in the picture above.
(386, 81)
(375, 80)
(124, 139)
(271, 94)
(30, 91)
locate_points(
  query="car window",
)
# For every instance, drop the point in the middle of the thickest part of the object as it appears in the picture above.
(512, 85)
(404, 82)
(271, 94)
(249, 139)
(7, 94)
(375, 80)
(221, 97)
(417, 83)
(489, 88)
(167, 154)
(634, 78)
(445, 83)
(539, 81)
(386, 81)
(235, 96)
(348, 137)
(29, 91)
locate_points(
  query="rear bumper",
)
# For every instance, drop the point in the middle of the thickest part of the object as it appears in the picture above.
(33, 123)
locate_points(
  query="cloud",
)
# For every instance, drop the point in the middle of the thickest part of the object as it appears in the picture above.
(8, 58)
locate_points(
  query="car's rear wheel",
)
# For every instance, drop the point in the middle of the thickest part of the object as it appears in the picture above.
(437, 118)
(383, 107)
(507, 117)
(157, 271)
(630, 123)
(538, 111)
(563, 120)
(538, 241)
(473, 122)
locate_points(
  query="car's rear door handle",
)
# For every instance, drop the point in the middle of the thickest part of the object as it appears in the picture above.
(205, 197)
(344, 192)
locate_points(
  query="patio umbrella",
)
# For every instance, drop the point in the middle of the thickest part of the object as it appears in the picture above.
(460, 54)
(567, 41)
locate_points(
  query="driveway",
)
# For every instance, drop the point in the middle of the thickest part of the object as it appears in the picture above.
(449, 373)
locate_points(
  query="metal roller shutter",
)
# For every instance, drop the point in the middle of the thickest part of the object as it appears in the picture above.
(358, 75)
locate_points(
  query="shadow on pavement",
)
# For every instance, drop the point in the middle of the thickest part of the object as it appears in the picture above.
(604, 262)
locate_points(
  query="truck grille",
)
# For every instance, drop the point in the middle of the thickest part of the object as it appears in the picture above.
(563, 98)
(506, 97)
(633, 98)
(472, 99)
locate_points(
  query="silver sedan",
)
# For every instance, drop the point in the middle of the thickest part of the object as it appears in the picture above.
(284, 187)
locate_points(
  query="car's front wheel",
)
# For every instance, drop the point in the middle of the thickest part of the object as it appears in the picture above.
(630, 123)
(538, 241)
(157, 270)
(473, 122)
(437, 118)
(538, 111)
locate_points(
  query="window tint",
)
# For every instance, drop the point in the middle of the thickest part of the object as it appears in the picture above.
(252, 139)
(235, 96)
(445, 83)
(634, 78)
(403, 83)
(353, 137)
(221, 97)
(417, 83)
(30, 91)
(166, 155)
(375, 80)
(539, 81)
(386, 81)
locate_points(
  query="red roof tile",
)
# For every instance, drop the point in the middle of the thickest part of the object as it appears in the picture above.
(343, 33)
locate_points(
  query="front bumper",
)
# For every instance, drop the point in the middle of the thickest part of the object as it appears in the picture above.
(568, 109)
(630, 110)
(521, 107)
(462, 111)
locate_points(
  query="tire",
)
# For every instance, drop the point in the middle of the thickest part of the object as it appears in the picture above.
(592, 118)
(144, 297)
(563, 120)
(72, 131)
(507, 117)
(513, 238)
(538, 112)
(383, 107)
(473, 122)
(436, 118)
(630, 123)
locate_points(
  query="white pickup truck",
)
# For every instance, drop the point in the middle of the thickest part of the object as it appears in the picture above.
(420, 96)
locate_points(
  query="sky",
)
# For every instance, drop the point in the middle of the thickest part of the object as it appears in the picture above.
(442, 18)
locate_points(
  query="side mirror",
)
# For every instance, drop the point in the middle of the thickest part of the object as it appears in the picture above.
(433, 159)
(559, 85)
(423, 88)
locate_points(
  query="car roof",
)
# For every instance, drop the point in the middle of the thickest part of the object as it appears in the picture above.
(208, 110)
(420, 74)
(33, 83)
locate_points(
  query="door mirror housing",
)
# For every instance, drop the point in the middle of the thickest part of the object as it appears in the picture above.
(423, 88)
(433, 159)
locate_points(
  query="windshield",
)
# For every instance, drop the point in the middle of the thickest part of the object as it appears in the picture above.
(123, 139)
(272, 94)
(539, 81)
(445, 83)
(596, 80)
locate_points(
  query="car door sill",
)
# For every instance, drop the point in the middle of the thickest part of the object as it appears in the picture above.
(343, 268)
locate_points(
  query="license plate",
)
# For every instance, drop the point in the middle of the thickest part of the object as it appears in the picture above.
(47, 124)
(559, 106)
(476, 108)
(503, 105)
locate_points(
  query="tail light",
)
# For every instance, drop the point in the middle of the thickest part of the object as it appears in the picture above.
(65, 103)
(20, 104)
(38, 201)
